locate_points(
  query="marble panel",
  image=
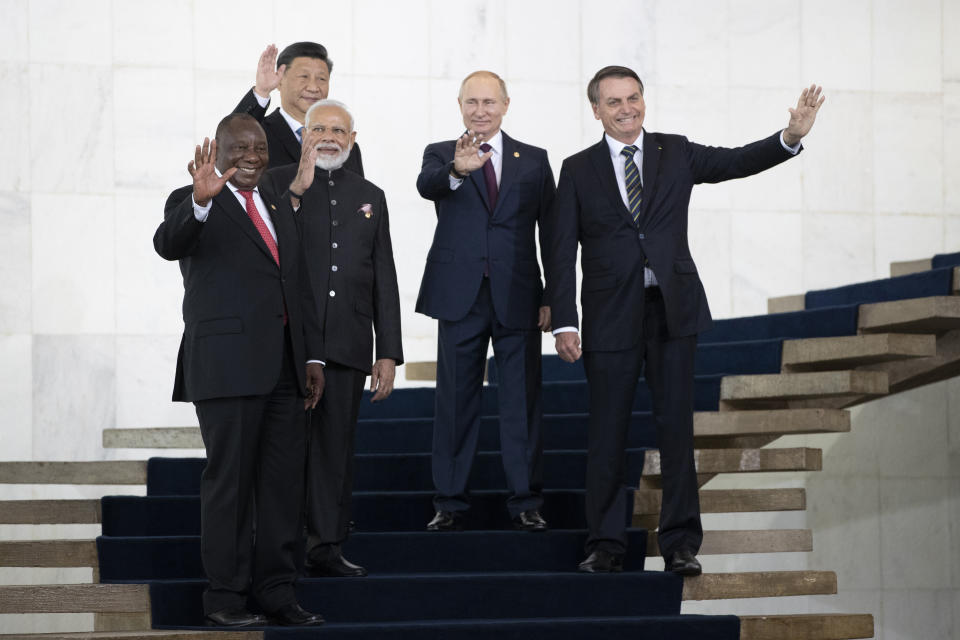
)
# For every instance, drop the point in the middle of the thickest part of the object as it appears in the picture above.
(154, 136)
(540, 36)
(951, 231)
(85, 131)
(149, 289)
(742, 607)
(953, 422)
(621, 34)
(906, 237)
(329, 23)
(15, 31)
(16, 408)
(845, 516)
(467, 36)
(917, 613)
(147, 33)
(772, 28)
(915, 533)
(62, 30)
(907, 52)
(247, 28)
(384, 23)
(767, 258)
(836, 44)
(908, 153)
(529, 122)
(851, 601)
(914, 433)
(144, 382)
(837, 160)
(837, 249)
(754, 115)
(16, 265)
(14, 167)
(74, 395)
(951, 48)
(692, 48)
(73, 264)
(853, 454)
(446, 121)
(953, 510)
(955, 608)
(951, 148)
(216, 94)
(710, 245)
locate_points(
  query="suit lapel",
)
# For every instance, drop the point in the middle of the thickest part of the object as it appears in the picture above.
(651, 164)
(509, 165)
(481, 184)
(285, 232)
(600, 155)
(282, 131)
(231, 206)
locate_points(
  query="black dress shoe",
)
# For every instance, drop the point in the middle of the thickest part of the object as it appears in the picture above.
(235, 618)
(683, 563)
(446, 521)
(293, 615)
(530, 520)
(331, 564)
(601, 561)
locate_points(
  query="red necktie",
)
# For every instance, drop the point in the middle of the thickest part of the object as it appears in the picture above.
(261, 226)
(490, 177)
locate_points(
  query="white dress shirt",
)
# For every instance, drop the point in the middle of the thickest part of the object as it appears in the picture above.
(201, 213)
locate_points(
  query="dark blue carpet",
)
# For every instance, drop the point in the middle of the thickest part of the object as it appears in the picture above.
(945, 260)
(935, 282)
(810, 323)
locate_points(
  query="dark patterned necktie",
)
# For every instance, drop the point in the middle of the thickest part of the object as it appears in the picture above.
(490, 177)
(631, 176)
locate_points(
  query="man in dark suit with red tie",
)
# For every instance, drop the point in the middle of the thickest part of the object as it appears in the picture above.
(624, 201)
(250, 330)
(302, 74)
(482, 282)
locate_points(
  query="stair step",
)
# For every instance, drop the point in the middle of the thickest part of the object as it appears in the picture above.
(153, 438)
(786, 304)
(714, 461)
(646, 502)
(48, 553)
(918, 315)
(847, 352)
(748, 541)
(154, 634)
(50, 511)
(110, 472)
(741, 391)
(75, 598)
(774, 422)
(760, 584)
(906, 267)
(814, 626)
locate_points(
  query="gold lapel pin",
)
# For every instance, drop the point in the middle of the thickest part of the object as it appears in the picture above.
(367, 214)
(274, 207)
(516, 154)
(659, 148)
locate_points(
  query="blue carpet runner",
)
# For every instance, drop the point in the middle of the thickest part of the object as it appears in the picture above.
(945, 260)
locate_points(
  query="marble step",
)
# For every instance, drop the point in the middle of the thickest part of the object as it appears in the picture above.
(807, 626)
(918, 315)
(110, 472)
(848, 352)
(84, 511)
(748, 541)
(713, 461)
(759, 584)
(646, 502)
(906, 267)
(738, 392)
(48, 553)
(154, 634)
(75, 598)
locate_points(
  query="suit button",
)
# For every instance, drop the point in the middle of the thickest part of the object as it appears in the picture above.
(333, 293)
(333, 268)
(334, 245)
(641, 236)
(333, 202)
(335, 223)
(330, 183)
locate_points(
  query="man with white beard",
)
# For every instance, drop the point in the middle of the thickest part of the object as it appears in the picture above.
(345, 231)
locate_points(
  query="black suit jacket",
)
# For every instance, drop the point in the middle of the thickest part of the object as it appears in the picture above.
(349, 254)
(470, 234)
(234, 296)
(283, 146)
(589, 210)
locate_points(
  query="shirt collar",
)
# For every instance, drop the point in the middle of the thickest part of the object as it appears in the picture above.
(291, 121)
(496, 142)
(233, 188)
(616, 146)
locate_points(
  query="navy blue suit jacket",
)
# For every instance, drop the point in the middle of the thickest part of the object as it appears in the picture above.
(470, 235)
(589, 210)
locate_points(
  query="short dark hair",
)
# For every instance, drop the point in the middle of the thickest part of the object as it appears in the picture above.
(304, 50)
(612, 71)
(228, 120)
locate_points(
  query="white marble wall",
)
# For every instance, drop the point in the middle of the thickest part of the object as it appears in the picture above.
(106, 98)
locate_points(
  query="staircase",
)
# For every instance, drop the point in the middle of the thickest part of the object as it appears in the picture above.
(758, 379)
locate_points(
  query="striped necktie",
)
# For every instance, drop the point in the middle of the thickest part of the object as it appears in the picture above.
(300, 135)
(631, 176)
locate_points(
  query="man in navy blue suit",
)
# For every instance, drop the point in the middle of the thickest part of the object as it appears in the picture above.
(624, 201)
(482, 283)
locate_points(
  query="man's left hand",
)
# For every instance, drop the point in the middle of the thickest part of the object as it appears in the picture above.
(315, 384)
(543, 320)
(381, 378)
(801, 118)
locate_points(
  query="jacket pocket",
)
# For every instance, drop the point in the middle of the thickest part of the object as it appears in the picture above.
(218, 326)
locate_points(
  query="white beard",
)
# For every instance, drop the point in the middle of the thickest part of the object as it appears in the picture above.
(331, 163)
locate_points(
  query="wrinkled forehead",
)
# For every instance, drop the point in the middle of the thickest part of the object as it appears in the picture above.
(243, 131)
(482, 88)
(614, 87)
(329, 114)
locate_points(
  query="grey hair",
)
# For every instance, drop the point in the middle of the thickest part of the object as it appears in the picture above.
(329, 103)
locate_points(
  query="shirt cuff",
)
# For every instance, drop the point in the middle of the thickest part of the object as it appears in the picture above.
(320, 362)
(794, 150)
(455, 182)
(263, 102)
(201, 213)
(565, 330)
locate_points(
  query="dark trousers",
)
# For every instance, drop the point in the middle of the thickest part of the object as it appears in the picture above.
(251, 494)
(333, 428)
(668, 366)
(461, 355)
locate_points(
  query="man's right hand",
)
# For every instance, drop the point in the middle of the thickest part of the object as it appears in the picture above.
(467, 156)
(568, 346)
(308, 162)
(268, 75)
(206, 182)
